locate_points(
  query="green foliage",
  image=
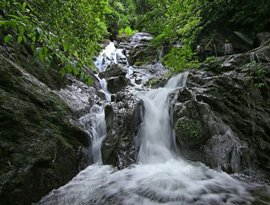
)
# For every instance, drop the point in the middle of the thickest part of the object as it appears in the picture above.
(69, 32)
(173, 21)
(179, 59)
(257, 74)
(126, 32)
(249, 15)
(120, 15)
(80, 24)
(190, 127)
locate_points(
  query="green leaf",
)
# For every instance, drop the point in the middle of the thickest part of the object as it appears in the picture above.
(65, 46)
(89, 81)
(69, 68)
(24, 5)
(33, 38)
(20, 38)
(39, 31)
(8, 38)
(62, 72)
(2, 23)
(75, 71)
(82, 75)
(14, 16)
(24, 38)
(21, 30)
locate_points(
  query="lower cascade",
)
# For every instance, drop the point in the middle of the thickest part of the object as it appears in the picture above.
(160, 175)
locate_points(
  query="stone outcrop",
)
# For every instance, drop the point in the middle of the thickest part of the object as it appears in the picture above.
(123, 119)
(116, 84)
(40, 147)
(139, 51)
(113, 70)
(222, 117)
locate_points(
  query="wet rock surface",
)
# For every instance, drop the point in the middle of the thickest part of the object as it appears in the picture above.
(123, 119)
(113, 70)
(139, 51)
(40, 149)
(115, 84)
(222, 119)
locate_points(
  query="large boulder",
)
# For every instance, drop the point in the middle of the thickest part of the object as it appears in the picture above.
(139, 51)
(40, 149)
(123, 119)
(223, 118)
(113, 70)
(116, 84)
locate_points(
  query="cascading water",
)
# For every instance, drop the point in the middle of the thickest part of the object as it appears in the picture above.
(94, 122)
(110, 55)
(160, 177)
(156, 134)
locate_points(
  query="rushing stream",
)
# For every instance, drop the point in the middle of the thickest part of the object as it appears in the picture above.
(160, 176)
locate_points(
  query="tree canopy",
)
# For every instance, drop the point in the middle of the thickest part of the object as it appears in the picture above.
(71, 30)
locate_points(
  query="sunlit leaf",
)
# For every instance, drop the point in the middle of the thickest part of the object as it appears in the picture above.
(8, 38)
(20, 38)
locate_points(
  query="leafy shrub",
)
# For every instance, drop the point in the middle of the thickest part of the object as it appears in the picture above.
(179, 59)
(23, 23)
(126, 32)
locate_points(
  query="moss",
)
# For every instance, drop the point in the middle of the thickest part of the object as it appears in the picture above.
(190, 128)
(138, 63)
(154, 82)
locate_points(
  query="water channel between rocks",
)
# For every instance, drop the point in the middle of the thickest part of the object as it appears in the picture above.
(160, 176)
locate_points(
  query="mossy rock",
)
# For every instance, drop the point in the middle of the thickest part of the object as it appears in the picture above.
(188, 131)
(143, 56)
(38, 144)
(213, 64)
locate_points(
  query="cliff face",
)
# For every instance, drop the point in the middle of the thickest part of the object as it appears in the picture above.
(39, 146)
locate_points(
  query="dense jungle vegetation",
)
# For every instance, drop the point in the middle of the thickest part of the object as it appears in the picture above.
(70, 31)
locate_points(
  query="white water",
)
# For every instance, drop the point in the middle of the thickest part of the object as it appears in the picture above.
(94, 122)
(110, 55)
(159, 177)
(156, 134)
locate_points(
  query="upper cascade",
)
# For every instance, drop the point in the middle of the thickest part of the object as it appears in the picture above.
(141, 37)
(110, 55)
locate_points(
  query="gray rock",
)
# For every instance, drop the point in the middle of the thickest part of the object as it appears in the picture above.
(115, 84)
(39, 146)
(113, 70)
(123, 119)
(139, 51)
(222, 119)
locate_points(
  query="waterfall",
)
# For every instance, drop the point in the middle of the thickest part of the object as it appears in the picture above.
(156, 132)
(160, 177)
(108, 56)
(94, 122)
